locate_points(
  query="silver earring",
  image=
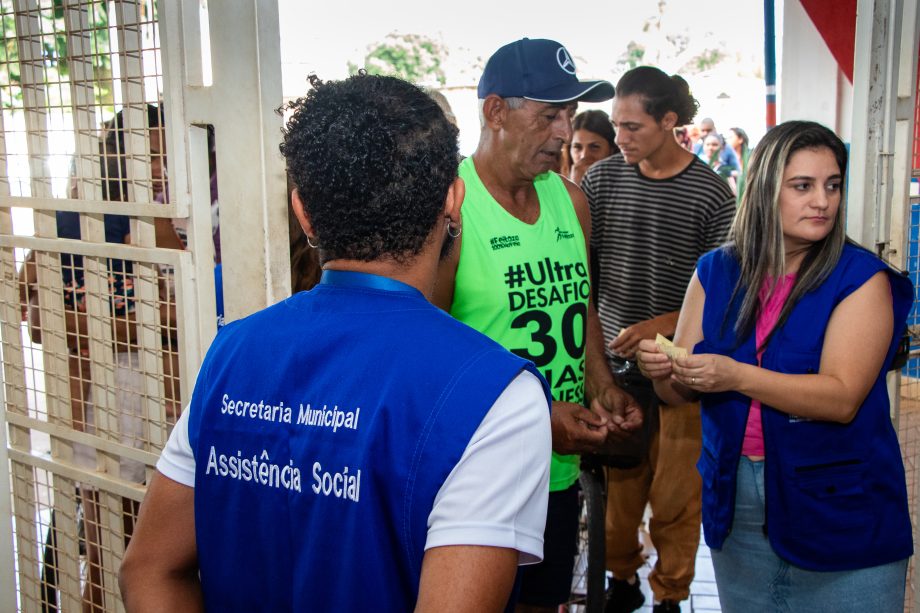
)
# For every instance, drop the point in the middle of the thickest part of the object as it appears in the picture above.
(311, 243)
(451, 234)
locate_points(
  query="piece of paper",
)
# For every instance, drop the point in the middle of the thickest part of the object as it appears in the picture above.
(670, 349)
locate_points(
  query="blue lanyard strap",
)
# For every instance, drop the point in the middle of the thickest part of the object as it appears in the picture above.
(349, 278)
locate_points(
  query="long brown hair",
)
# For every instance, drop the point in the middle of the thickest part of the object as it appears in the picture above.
(757, 232)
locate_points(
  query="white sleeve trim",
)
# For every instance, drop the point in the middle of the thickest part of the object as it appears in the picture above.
(497, 493)
(177, 460)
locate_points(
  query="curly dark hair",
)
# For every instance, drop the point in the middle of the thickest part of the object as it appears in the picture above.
(662, 93)
(372, 158)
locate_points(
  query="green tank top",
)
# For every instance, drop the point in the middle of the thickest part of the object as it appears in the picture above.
(526, 286)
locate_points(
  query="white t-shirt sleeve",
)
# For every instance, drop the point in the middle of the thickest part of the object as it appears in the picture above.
(497, 493)
(177, 460)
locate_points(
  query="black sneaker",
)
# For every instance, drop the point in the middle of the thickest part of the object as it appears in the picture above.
(666, 606)
(623, 596)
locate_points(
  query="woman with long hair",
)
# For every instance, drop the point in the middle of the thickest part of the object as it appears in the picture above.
(793, 328)
(593, 139)
(738, 140)
(712, 155)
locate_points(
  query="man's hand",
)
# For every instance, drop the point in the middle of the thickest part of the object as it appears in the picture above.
(626, 344)
(576, 429)
(622, 412)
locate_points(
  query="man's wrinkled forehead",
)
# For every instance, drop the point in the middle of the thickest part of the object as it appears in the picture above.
(542, 106)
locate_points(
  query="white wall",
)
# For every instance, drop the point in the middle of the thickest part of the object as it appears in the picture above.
(810, 83)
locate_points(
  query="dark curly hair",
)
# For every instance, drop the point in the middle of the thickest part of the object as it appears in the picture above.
(662, 93)
(372, 158)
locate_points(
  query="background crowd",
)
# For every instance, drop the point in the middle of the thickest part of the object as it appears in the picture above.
(594, 138)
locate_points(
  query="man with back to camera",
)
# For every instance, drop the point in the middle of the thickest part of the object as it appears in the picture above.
(312, 470)
(520, 275)
(656, 209)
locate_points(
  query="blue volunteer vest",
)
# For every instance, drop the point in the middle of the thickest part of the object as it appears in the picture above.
(835, 493)
(323, 428)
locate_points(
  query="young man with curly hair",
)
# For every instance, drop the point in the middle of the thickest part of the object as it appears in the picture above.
(353, 448)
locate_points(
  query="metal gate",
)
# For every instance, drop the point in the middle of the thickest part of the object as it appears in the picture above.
(117, 119)
(881, 206)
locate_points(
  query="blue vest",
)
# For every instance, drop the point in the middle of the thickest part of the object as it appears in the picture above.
(835, 493)
(323, 428)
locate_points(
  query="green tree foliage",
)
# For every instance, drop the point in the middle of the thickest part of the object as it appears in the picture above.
(54, 52)
(683, 51)
(633, 55)
(10, 74)
(413, 57)
(705, 60)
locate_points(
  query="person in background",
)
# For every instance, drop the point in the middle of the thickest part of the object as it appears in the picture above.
(712, 155)
(727, 157)
(428, 485)
(441, 99)
(128, 380)
(693, 134)
(737, 139)
(521, 275)
(593, 139)
(655, 208)
(792, 329)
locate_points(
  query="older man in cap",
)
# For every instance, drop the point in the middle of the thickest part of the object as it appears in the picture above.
(521, 276)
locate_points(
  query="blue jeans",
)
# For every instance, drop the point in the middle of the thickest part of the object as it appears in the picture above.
(751, 578)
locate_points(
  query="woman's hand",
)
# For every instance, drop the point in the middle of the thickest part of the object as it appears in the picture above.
(707, 372)
(652, 363)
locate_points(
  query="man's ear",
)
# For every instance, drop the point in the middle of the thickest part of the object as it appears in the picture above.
(454, 199)
(494, 111)
(669, 121)
(300, 212)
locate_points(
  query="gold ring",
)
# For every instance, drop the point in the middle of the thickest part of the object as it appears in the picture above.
(692, 380)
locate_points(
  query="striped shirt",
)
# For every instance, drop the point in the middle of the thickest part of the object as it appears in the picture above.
(647, 235)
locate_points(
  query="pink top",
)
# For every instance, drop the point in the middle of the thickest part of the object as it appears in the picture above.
(753, 432)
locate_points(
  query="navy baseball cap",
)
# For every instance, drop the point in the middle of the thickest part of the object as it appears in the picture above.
(541, 70)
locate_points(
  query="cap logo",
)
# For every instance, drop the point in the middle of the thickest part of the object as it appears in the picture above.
(565, 60)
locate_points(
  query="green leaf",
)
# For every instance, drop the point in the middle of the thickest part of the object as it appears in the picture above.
(413, 57)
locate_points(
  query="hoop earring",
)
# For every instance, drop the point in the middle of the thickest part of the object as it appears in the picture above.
(311, 243)
(451, 234)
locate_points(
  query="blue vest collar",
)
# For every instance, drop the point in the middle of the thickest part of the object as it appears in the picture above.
(350, 278)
